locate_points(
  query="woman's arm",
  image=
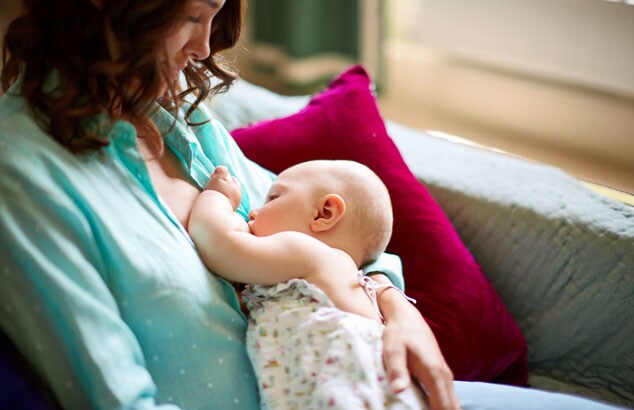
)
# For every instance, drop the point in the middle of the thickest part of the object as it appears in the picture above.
(58, 308)
(410, 348)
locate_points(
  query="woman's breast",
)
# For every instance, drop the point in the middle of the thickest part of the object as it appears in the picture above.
(173, 185)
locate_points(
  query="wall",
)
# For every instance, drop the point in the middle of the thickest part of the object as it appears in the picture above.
(582, 42)
(441, 62)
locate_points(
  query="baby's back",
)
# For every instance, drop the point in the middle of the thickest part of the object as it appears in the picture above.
(309, 354)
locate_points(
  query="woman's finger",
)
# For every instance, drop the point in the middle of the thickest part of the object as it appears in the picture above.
(395, 358)
(438, 383)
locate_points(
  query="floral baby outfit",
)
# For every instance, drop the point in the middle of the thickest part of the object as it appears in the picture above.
(308, 354)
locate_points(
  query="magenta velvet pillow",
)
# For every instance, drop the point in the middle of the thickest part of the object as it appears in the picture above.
(477, 335)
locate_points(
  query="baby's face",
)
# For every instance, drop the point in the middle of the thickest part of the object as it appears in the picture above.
(289, 206)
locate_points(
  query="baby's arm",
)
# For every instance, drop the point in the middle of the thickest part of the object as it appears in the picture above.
(231, 251)
(228, 187)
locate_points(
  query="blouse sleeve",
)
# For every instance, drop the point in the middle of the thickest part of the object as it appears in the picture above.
(389, 265)
(56, 304)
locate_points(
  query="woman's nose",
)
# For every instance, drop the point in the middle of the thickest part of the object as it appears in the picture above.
(199, 48)
(252, 215)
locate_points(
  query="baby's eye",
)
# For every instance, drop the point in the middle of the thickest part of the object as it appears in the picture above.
(271, 197)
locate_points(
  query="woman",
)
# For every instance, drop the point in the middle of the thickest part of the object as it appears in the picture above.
(106, 294)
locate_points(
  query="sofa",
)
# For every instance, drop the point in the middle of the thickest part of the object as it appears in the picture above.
(559, 253)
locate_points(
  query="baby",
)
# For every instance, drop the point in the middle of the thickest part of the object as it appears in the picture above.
(314, 334)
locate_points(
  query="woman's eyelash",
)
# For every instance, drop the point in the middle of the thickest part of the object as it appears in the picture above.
(193, 19)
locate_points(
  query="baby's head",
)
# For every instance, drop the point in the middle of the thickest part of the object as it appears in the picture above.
(342, 203)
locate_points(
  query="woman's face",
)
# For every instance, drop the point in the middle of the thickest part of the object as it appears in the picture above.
(190, 39)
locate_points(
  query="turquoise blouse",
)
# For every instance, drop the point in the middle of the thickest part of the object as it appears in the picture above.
(102, 288)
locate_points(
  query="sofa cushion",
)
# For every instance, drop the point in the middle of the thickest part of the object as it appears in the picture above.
(477, 335)
(22, 388)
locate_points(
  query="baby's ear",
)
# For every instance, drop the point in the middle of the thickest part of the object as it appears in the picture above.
(331, 209)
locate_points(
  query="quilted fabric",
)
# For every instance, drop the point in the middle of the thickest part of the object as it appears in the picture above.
(478, 337)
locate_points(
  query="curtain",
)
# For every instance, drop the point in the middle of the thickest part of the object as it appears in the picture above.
(302, 44)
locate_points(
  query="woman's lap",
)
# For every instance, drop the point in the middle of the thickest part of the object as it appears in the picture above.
(480, 396)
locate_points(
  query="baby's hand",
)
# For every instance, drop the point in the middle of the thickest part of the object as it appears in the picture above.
(225, 183)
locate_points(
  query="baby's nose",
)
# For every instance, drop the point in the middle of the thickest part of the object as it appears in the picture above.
(252, 215)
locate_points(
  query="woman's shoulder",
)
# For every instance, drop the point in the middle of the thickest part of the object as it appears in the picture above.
(23, 143)
(28, 154)
(20, 134)
(14, 113)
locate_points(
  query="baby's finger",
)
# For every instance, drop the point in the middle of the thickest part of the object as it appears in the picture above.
(236, 181)
(220, 171)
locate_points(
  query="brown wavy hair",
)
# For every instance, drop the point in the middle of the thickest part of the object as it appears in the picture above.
(99, 56)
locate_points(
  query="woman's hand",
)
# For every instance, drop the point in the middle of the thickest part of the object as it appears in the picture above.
(410, 350)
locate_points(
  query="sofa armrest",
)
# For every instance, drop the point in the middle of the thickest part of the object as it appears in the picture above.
(560, 255)
(246, 103)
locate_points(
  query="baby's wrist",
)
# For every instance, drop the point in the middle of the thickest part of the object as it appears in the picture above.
(394, 304)
(383, 287)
